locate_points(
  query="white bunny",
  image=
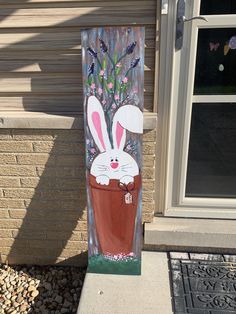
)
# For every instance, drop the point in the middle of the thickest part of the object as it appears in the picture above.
(113, 163)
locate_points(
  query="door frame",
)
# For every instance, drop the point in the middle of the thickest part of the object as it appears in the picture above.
(170, 148)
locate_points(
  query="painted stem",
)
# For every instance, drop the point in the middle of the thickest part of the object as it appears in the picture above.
(115, 80)
(99, 63)
(122, 57)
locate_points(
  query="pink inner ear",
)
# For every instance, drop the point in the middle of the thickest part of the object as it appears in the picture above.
(97, 124)
(119, 134)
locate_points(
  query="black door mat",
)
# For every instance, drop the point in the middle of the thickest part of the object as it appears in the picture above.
(203, 283)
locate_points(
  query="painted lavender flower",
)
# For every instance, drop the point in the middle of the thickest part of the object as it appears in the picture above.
(134, 63)
(103, 46)
(91, 69)
(130, 48)
(92, 52)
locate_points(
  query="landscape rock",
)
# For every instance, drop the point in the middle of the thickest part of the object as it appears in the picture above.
(40, 289)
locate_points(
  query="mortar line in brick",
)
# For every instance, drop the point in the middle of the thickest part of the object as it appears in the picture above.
(30, 153)
(19, 188)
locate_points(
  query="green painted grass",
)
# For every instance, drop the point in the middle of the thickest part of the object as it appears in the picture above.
(105, 265)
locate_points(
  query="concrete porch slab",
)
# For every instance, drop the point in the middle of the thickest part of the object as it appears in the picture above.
(188, 234)
(116, 294)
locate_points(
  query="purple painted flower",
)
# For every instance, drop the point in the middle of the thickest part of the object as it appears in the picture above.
(92, 52)
(117, 97)
(130, 48)
(104, 102)
(103, 46)
(91, 69)
(93, 86)
(118, 65)
(134, 63)
(125, 80)
(128, 147)
(93, 150)
(101, 73)
(113, 106)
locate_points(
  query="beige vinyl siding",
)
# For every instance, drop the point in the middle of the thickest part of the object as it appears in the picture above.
(40, 50)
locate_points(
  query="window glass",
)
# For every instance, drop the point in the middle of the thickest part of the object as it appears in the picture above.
(211, 170)
(216, 61)
(218, 7)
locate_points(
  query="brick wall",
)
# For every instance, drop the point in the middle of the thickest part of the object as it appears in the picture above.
(43, 198)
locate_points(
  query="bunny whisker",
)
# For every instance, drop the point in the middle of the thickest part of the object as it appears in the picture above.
(101, 170)
(104, 167)
(126, 167)
(101, 165)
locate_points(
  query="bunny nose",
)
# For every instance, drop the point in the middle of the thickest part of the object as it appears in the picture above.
(114, 165)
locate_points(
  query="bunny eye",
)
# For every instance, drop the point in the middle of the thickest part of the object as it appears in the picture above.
(116, 160)
(112, 159)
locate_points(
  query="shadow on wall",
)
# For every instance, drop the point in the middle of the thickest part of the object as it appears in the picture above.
(54, 224)
(53, 189)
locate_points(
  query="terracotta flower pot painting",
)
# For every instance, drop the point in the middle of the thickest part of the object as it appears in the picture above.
(113, 62)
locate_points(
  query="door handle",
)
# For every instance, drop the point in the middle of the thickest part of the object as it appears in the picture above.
(180, 20)
(183, 19)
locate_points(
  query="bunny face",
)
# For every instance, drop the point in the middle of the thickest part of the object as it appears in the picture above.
(112, 163)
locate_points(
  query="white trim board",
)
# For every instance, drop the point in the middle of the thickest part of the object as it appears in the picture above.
(34, 120)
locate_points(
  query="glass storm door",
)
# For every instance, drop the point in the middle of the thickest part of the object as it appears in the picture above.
(202, 156)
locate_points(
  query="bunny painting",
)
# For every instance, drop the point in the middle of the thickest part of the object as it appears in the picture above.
(113, 88)
(113, 163)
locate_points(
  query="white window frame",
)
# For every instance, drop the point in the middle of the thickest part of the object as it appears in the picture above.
(176, 87)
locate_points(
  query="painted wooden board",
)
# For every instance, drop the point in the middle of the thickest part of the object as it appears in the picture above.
(113, 75)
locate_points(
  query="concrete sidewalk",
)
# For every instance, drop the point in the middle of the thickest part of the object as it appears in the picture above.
(116, 294)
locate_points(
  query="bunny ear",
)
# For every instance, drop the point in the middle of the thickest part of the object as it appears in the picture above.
(129, 118)
(118, 135)
(97, 124)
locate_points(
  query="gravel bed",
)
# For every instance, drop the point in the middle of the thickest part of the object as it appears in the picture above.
(40, 289)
